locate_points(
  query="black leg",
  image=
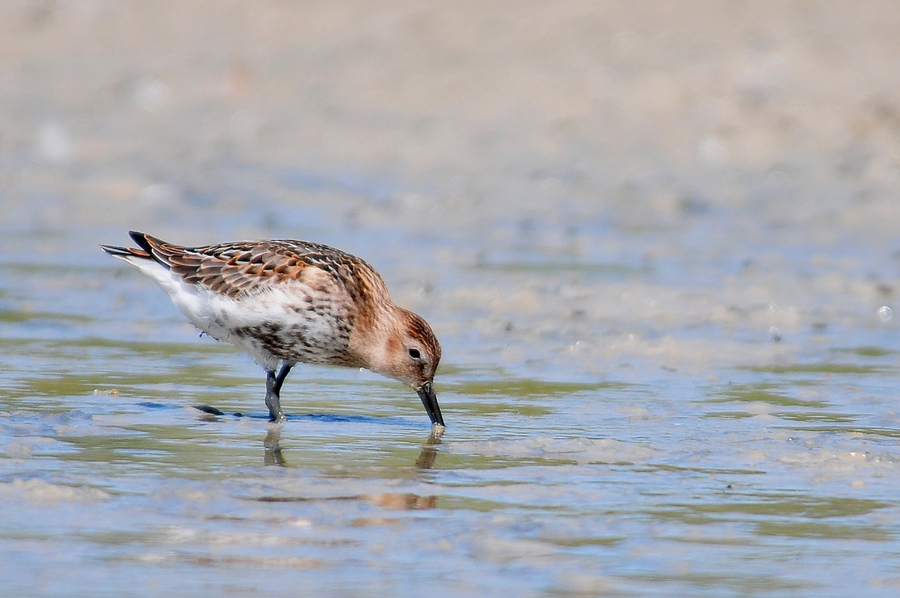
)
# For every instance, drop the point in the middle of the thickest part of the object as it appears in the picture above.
(273, 392)
(273, 401)
(282, 374)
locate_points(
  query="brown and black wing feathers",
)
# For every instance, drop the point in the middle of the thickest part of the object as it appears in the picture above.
(245, 267)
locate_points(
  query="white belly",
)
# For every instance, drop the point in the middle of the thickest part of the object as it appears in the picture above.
(294, 322)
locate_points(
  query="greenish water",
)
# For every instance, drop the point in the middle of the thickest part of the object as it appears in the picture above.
(767, 478)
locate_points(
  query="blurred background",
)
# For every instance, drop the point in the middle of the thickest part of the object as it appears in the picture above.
(657, 241)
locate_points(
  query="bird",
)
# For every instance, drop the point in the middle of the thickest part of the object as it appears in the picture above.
(286, 302)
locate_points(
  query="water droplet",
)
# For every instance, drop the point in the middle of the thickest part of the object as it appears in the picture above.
(885, 313)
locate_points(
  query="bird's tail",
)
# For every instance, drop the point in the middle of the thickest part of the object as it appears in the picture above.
(125, 252)
(130, 254)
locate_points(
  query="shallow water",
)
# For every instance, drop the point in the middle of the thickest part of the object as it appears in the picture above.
(662, 376)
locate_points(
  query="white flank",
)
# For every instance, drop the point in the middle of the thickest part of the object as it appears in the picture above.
(220, 316)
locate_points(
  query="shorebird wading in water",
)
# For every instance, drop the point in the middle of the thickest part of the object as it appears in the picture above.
(287, 302)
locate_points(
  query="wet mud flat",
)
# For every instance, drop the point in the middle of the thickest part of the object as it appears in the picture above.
(657, 242)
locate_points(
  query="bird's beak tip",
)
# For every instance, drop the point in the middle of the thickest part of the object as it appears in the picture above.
(429, 400)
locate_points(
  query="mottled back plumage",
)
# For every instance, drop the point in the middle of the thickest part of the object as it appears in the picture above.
(235, 269)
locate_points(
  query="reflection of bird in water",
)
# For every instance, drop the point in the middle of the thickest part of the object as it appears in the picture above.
(288, 302)
(274, 456)
(429, 451)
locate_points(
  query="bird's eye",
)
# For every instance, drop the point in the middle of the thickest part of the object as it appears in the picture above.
(414, 353)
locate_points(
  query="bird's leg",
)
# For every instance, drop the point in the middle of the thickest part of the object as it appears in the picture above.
(273, 401)
(273, 392)
(282, 374)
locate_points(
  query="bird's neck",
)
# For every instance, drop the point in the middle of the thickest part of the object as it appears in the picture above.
(377, 342)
